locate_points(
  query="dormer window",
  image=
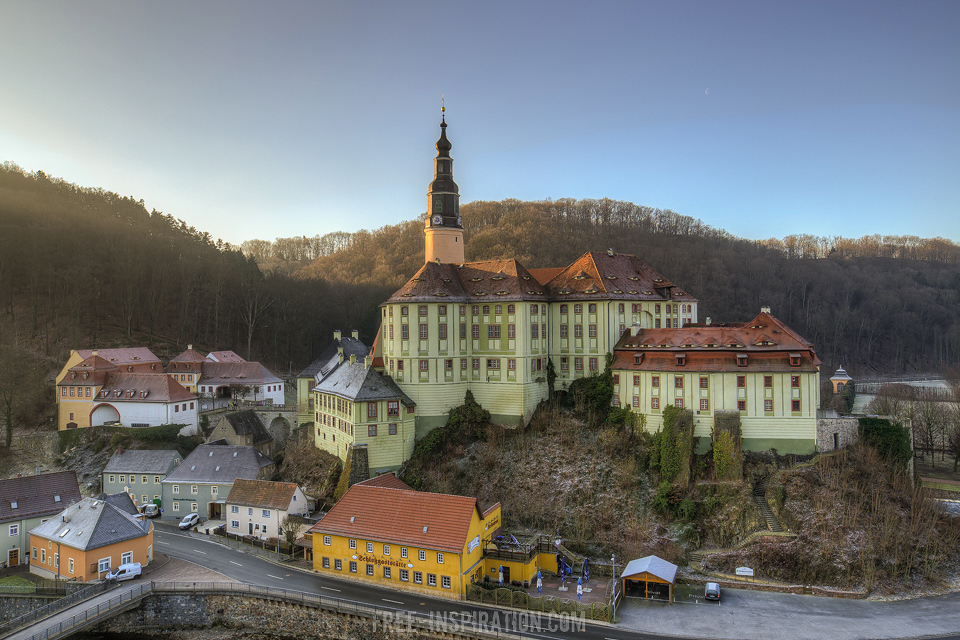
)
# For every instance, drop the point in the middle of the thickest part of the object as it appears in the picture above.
(637, 358)
(741, 359)
(794, 359)
(681, 359)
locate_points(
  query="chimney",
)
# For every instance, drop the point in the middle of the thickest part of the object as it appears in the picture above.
(119, 450)
(764, 309)
(356, 334)
(708, 321)
(634, 329)
(340, 355)
(367, 361)
(336, 334)
(353, 358)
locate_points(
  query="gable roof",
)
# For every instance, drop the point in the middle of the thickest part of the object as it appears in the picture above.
(91, 524)
(248, 423)
(143, 387)
(652, 565)
(190, 355)
(389, 480)
(219, 464)
(122, 357)
(427, 520)
(243, 373)
(262, 494)
(224, 356)
(351, 347)
(151, 461)
(36, 496)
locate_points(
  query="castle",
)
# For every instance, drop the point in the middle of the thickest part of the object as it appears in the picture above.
(496, 329)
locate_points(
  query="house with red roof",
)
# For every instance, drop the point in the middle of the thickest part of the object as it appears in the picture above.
(384, 532)
(107, 389)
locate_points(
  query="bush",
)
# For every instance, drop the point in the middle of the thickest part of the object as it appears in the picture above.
(892, 441)
(687, 509)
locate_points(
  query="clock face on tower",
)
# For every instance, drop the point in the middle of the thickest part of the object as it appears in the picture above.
(437, 219)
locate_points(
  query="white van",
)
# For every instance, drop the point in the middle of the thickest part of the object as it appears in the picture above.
(127, 571)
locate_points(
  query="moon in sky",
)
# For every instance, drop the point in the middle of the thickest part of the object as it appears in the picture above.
(707, 92)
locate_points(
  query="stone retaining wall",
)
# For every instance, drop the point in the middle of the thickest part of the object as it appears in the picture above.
(165, 613)
(12, 607)
(846, 429)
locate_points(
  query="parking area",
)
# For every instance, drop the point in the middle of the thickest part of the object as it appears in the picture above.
(761, 615)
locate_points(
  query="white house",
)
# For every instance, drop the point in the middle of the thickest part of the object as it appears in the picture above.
(258, 507)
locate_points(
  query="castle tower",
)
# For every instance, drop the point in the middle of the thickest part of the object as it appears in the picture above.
(443, 226)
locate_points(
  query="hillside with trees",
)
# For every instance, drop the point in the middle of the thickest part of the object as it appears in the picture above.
(875, 305)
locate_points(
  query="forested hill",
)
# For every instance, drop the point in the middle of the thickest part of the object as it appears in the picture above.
(873, 304)
(82, 268)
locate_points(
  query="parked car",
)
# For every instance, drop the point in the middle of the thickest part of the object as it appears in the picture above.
(190, 520)
(712, 591)
(127, 571)
(150, 510)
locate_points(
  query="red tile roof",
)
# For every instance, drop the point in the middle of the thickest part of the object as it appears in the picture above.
(620, 276)
(130, 355)
(470, 282)
(389, 480)
(399, 516)
(159, 387)
(543, 276)
(189, 355)
(224, 356)
(767, 343)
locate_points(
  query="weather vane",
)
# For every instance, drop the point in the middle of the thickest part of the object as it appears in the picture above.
(443, 107)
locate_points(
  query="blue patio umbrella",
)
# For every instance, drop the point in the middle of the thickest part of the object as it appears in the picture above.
(586, 569)
(579, 589)
(501, 575)
(539, 583)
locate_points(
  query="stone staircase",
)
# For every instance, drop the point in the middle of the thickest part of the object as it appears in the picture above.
(759, 498)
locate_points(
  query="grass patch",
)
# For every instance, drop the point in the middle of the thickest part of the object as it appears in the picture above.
(15, 581)
(941, 486)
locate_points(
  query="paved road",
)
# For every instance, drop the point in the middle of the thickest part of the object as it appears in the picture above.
(742, 614)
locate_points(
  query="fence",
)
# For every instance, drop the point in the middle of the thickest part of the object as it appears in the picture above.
(54, 607)
(388, 616)
(262, 548)
(544, 604)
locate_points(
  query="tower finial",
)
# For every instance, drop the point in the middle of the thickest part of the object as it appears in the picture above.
(443, 110)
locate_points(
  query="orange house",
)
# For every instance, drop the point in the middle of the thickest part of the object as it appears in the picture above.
(87, 540)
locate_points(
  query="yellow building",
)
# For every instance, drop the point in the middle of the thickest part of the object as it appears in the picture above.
(384, 532)
(494, 327)
(307, 378)
(87, 540)
(354, 404)
(761, 368)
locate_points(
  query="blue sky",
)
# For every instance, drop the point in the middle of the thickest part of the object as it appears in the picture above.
(264, 120)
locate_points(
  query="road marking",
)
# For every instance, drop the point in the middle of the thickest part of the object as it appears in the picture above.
(393, 601)
(161, 542)
(236, 563)
(273, 576)
(331, 589)
(203, 552)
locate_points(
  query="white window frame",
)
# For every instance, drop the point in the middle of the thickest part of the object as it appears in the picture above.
(423, 555)
(417, 577)
(386, 549)
(176, 489)
(439, 558)
(103, 564)
(193, 489)
(326, 540)
(403, 552)
(15, 529)
(431, 579)
(352, 543)
(71, 565)
(445, 582)
(126, 557)
(234, 524)
(369, 547)
(234, 508)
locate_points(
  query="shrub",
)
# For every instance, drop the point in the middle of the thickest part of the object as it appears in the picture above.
(687, 509)
(892, 441)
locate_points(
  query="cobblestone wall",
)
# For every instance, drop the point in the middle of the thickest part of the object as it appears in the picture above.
(15, 606)
(846, 430)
